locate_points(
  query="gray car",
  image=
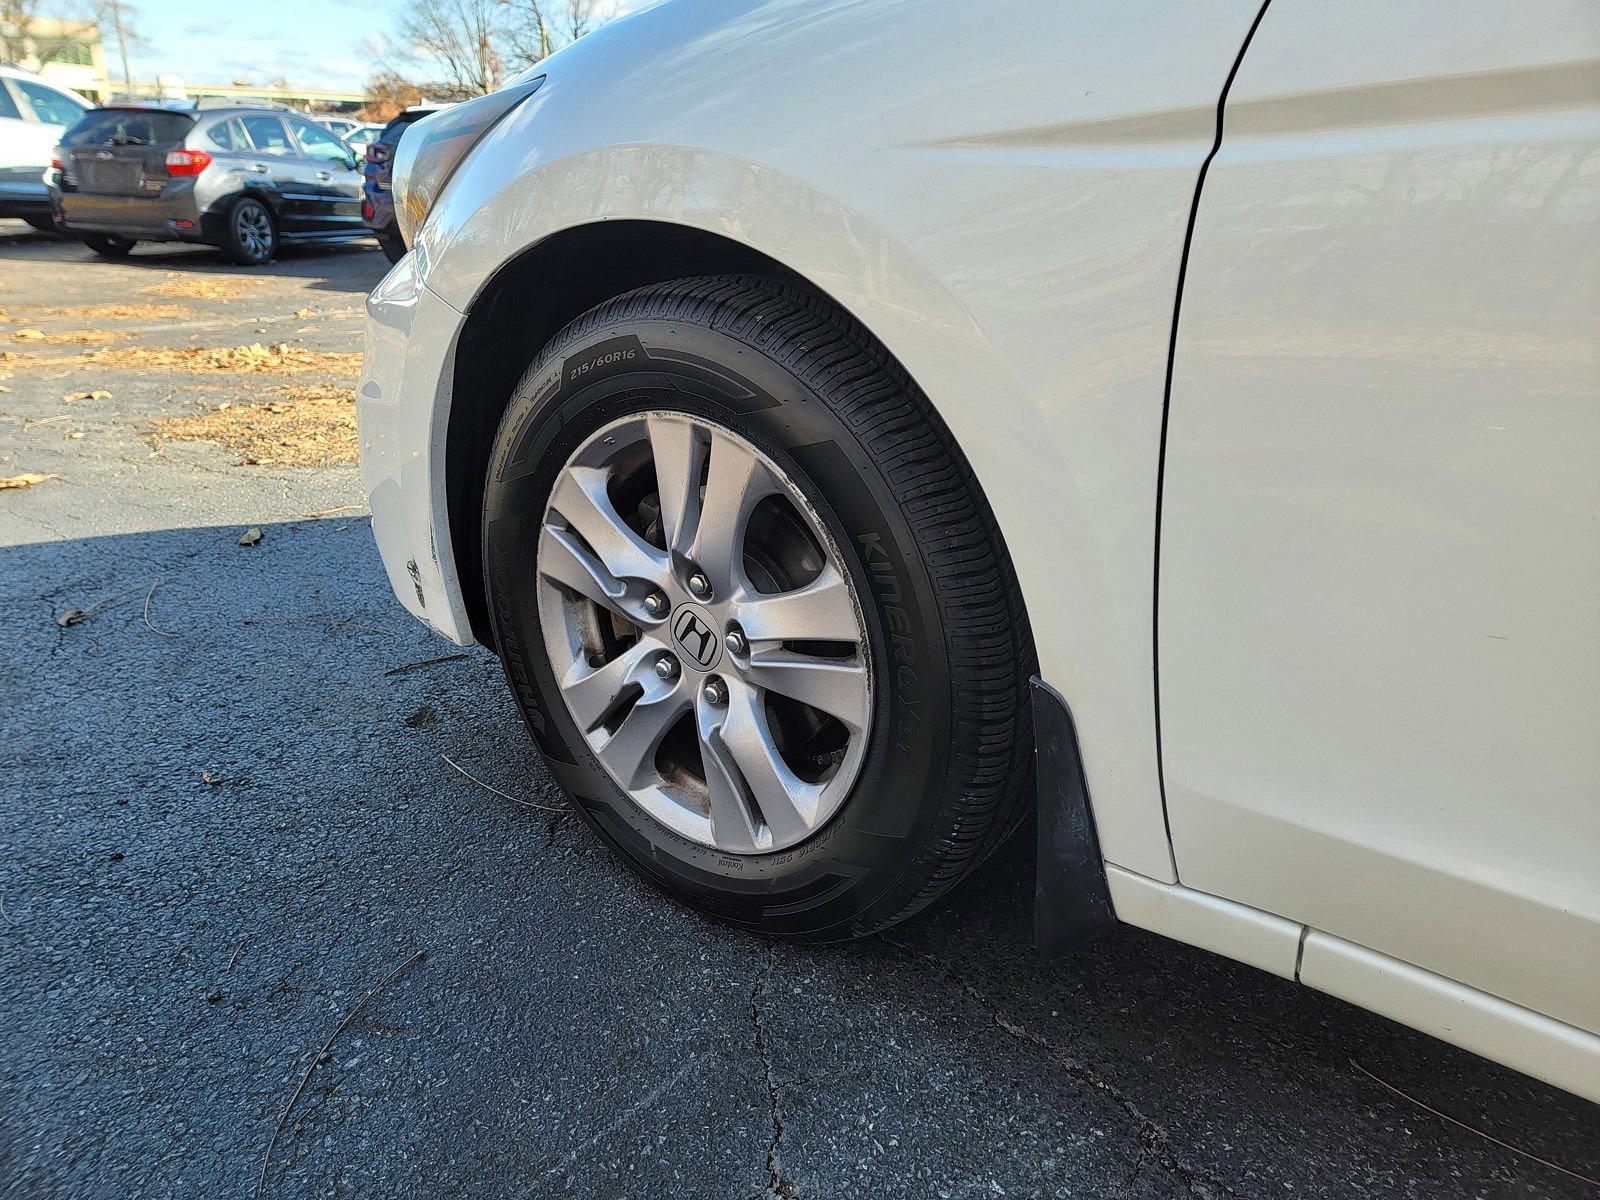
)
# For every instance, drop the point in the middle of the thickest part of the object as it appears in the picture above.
(245, 180)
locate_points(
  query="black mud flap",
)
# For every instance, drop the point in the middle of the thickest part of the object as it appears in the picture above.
(1071, 900)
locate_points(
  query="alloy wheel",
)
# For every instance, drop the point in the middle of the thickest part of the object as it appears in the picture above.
(704, 632)
(253, 226)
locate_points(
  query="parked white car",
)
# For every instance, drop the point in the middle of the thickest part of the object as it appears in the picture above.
(1231, 372)
(33, 115)
(338, 126)
(359, 137)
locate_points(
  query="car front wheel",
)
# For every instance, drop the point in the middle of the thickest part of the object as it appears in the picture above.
(755, 608)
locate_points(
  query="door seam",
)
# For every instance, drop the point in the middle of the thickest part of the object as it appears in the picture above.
(1300, 951)
(1166, 409)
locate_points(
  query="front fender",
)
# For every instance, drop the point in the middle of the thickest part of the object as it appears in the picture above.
(1084, 566)
(1015, 246)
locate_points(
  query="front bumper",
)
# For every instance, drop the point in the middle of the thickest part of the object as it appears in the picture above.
(402, 406)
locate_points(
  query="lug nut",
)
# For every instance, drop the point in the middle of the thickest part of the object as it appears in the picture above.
(655, 604)
(715, 691)
(667, 667)
(736, 642)
(700, 586)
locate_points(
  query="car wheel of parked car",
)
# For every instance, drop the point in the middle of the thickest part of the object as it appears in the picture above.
(251, 236)
(394, 246)
(108, 245)
(755, 609)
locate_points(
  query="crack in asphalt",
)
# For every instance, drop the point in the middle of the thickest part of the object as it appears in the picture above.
(55, 532)
(777, 1186)
(1152, 1135)
(1149, 1139)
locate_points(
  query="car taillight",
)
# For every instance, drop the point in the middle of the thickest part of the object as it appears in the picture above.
(377, 152)
(187, 162)
(56, 156)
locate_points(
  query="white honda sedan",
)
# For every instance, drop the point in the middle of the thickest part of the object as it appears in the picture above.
(815, 404)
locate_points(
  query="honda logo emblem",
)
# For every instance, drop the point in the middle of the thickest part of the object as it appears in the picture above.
(696, 636)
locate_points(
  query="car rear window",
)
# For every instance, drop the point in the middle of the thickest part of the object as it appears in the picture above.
(129, 127)
(227, 136)
(392, 131)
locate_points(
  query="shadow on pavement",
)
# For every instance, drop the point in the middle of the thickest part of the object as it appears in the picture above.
(353, 267)
(228, 817)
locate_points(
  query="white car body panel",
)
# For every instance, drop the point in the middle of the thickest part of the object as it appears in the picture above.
(1010, 224)
(410, 341)
(1083, 171)
(1379, 648)
(1535, 1044)
(1221, 926)
(25, 141)
(27, 144)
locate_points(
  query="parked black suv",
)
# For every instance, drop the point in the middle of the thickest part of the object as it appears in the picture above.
(243, 179)
(377, 201)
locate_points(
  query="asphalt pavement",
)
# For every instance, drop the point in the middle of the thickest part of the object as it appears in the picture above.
(250, 906)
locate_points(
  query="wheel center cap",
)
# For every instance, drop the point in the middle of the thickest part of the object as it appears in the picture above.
(695, 633)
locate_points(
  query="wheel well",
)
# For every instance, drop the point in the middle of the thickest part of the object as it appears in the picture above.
(214, 220)
(527, 302)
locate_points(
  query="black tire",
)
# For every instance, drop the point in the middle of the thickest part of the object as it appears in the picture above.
(43, 223)
(393, 245)
(250, 232)
(947, 770)
(108, 245)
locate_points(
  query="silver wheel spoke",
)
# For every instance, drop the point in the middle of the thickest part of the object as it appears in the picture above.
(746, 752)
(823, 610)
(737, 481)
(593, 693)
(835, 686)
(680, 450)
(630, 753)
(733, 825)
(563, 559)
(580, 498)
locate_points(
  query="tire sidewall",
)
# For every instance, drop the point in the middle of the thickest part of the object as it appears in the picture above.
(584, 381)
(392, 245)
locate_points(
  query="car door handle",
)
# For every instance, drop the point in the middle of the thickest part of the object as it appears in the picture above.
(324, 176)
(261, 168)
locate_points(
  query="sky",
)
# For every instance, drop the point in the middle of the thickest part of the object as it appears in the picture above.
(311, 43)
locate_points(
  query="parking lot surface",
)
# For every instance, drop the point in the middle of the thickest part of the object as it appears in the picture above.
(238, 811)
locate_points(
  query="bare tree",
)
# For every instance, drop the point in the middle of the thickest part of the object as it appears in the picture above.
(16, 28)
(529, 36)
(577, 18)
(389, 93)
(15, 17)
(472, 46)
(121, 17)
(461, 40)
